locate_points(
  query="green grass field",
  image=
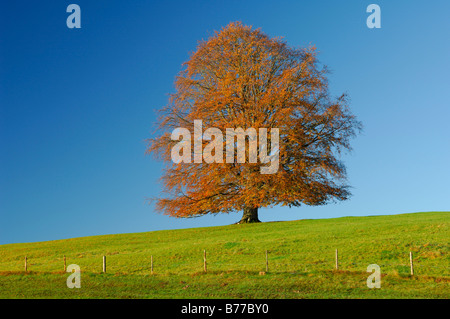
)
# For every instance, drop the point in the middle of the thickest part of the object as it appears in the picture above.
(301, 261)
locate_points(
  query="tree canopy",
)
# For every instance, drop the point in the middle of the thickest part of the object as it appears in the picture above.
(242, 78)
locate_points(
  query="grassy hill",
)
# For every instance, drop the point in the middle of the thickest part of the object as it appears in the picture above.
(301, 261)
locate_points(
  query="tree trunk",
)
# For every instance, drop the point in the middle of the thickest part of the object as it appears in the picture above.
(250, 216)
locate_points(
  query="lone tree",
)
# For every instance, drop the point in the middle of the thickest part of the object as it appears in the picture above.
(242, 78)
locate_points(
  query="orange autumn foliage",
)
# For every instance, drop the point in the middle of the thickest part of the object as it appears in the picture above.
(240, 77)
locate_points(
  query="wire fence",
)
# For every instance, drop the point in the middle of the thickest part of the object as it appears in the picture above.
(218, 261)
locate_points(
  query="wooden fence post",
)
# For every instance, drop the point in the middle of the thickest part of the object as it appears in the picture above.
(104, 264)
(267, 262)
(204, 260)
(337, 260)
(411, 263)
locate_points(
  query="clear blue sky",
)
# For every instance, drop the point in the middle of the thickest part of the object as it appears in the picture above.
(77, 104)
